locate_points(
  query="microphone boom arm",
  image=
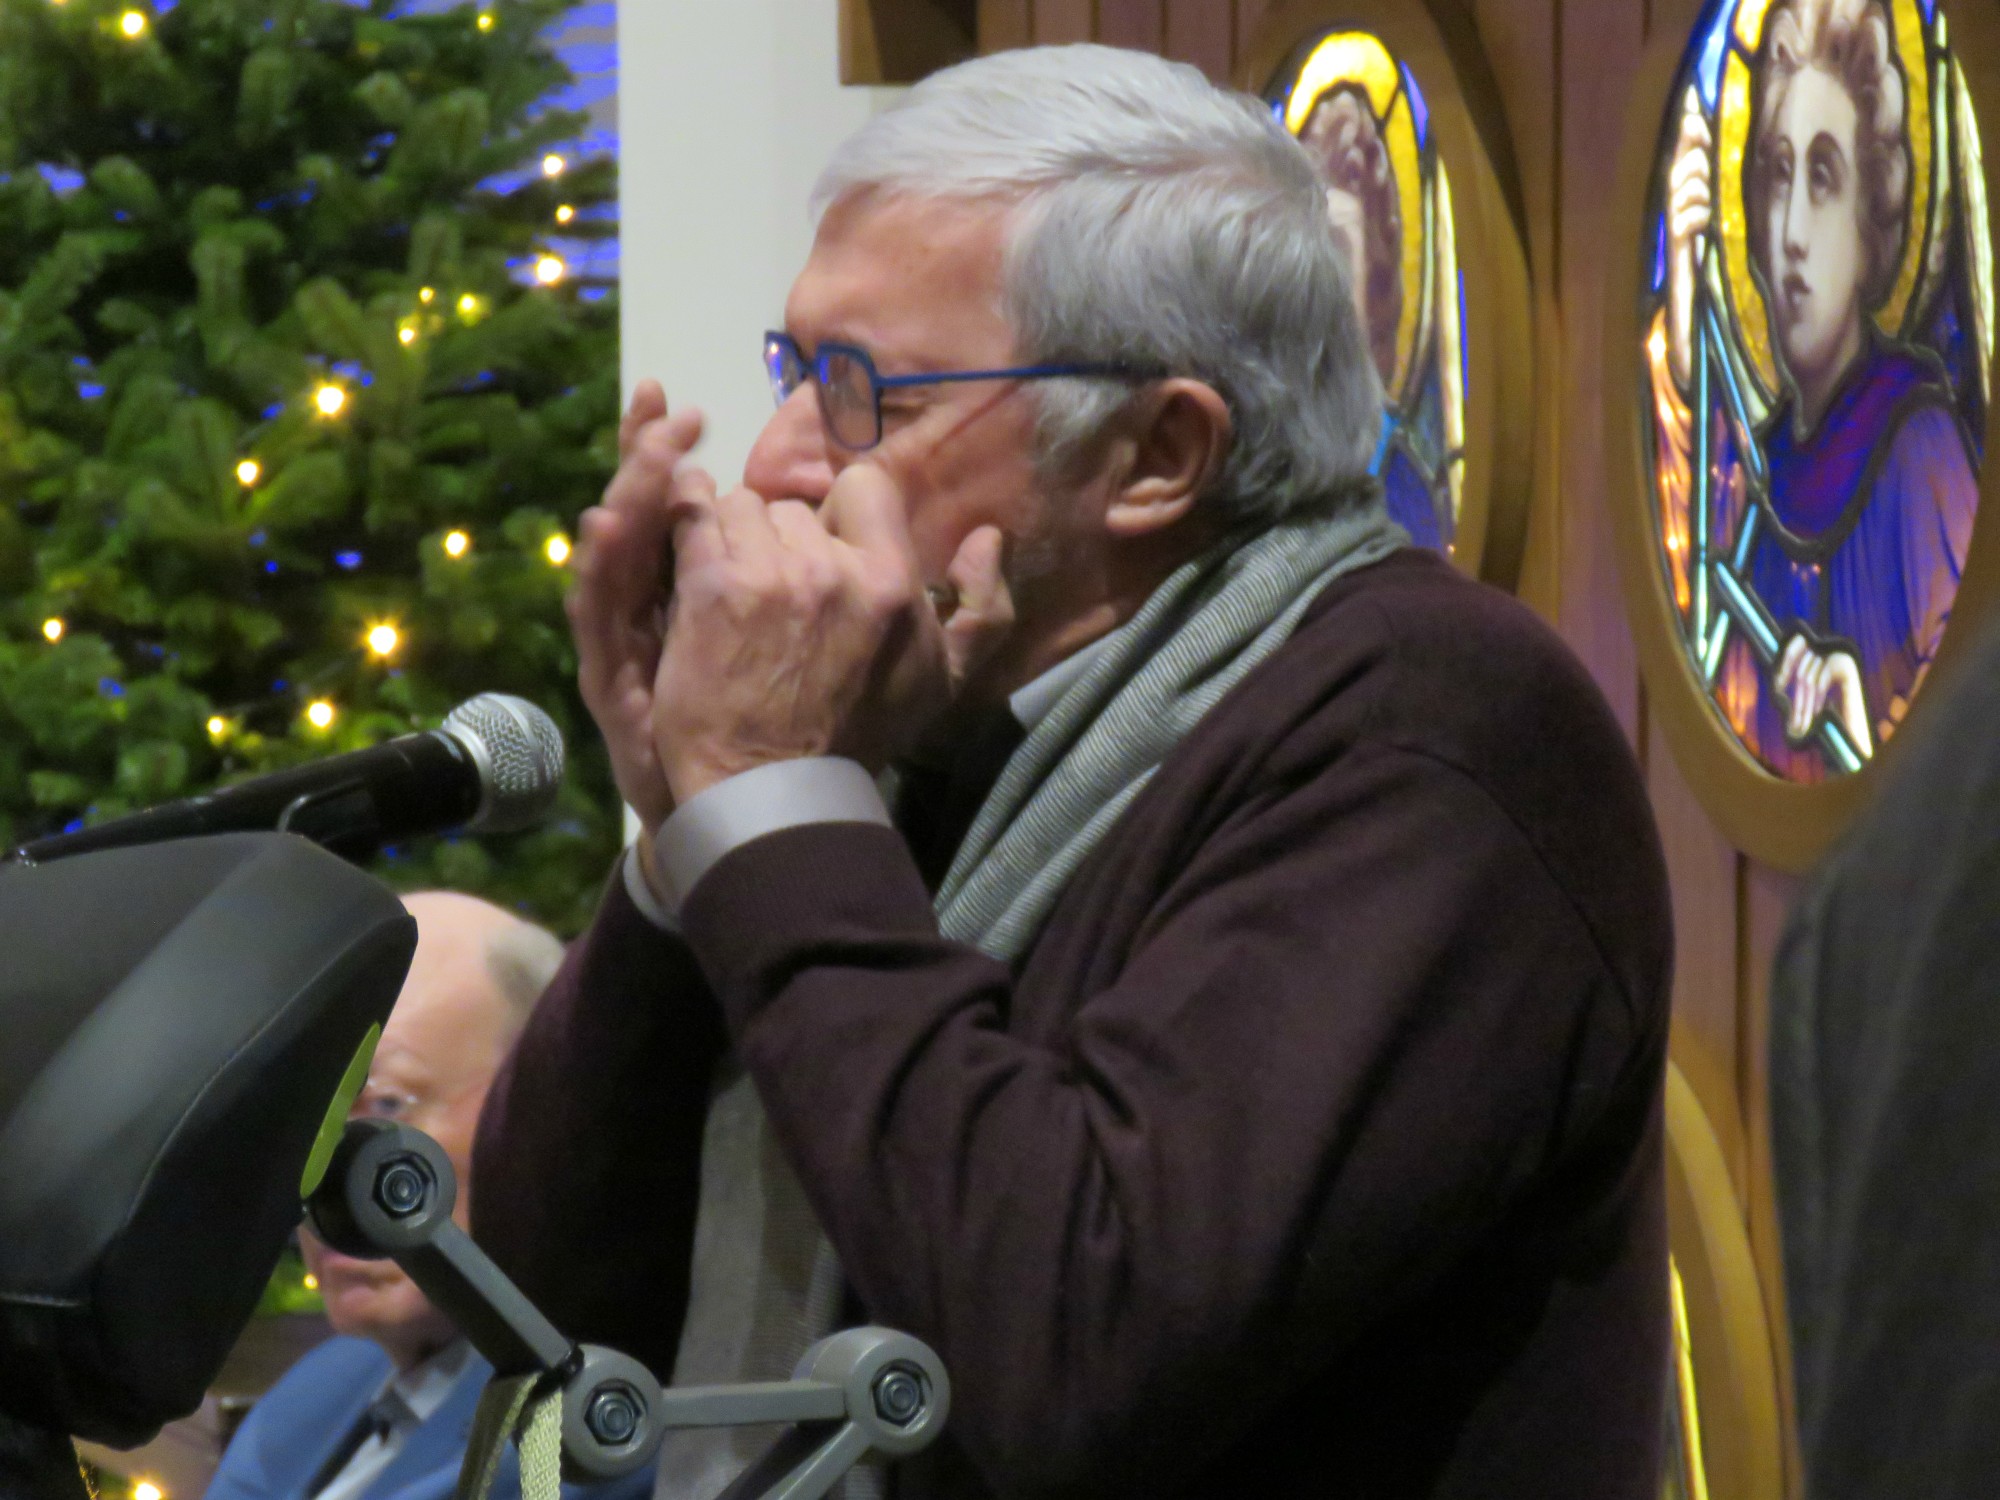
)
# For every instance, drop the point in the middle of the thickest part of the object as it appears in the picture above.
(389, 1191)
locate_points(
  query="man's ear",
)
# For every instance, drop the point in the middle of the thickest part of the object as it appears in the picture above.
(1176, 436)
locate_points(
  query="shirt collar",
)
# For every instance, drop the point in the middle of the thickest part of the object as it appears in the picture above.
(1031, 704)
(424, 1386)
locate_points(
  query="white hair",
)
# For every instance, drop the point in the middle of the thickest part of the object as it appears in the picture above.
(1160, 222)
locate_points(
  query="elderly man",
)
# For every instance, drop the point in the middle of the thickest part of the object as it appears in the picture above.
(383, 1412)
(1235, 1041)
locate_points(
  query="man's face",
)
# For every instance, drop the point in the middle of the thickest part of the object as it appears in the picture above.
(438, 1053)
(916, 283)
(1817, 262)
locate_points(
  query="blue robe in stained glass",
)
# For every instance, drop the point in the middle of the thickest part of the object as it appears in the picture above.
(1864, 538)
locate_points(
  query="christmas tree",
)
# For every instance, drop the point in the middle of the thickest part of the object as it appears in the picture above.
(304, 377)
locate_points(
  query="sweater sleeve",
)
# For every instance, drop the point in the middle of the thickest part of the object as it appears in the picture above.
(1351, 1030)
(586, 1166)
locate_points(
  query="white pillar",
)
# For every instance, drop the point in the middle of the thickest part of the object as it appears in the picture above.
(726, 112)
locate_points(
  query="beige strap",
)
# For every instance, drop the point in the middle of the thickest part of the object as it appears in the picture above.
(509, 1408)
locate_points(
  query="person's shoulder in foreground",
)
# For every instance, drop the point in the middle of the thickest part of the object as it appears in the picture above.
(1884, 1068)
(284, 1445)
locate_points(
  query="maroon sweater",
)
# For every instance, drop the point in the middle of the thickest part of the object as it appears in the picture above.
(1313, 1150)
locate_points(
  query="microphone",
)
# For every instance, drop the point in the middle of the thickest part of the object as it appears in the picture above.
(494, 766)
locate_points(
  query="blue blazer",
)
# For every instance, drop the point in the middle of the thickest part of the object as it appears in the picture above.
(297, 1424)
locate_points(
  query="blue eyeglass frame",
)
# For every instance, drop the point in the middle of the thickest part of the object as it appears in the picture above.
(781, 350)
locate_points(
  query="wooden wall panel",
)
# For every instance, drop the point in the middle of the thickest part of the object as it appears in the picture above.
(1249, 16)
(1520, 38)
(1203, 32)
(1064, 21)
(1004, 24)
(1598, 48)
(1704, 870)
(1132, 23)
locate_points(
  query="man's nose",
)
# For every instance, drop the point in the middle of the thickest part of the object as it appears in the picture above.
(790, 459)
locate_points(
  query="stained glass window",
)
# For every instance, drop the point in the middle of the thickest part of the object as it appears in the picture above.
(1362, 118)
(1817, 341)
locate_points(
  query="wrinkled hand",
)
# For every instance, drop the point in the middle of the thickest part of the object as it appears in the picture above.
(1812, 683)
(617, 605)
(798, 632)
(1690, 209)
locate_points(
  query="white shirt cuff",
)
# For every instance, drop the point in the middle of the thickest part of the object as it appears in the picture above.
(784, 794)
(644, 896)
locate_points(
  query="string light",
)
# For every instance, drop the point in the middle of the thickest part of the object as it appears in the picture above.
(424, 294)
(406, 334)
(549, 270)
(383, 639)
(311, 1282)
(329, 398)
(556, 549)
(249, 472)
(145, 1489)
(132, 23)
(319, 714)
(486, 20)
(564, 213)
(53, 628)
(217, 727)
(456, 544)
(552, 165)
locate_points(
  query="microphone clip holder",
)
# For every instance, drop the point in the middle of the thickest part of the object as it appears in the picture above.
(389, 1191)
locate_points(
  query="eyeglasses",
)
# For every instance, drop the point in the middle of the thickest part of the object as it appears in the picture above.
(850, 389)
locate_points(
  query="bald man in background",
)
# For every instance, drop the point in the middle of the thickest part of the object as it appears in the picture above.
(384, 1410)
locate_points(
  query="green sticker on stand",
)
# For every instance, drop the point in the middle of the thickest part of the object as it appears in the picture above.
(335, 1123)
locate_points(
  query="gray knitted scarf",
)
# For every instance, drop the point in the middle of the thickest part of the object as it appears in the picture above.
(766, 1283)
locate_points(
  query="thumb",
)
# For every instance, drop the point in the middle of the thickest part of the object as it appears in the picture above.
(985, 609)
(864, 508)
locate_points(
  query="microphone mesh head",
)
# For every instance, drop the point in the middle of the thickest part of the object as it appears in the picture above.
(519, 753)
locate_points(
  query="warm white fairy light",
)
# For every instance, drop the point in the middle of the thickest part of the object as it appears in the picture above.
(217, 727)
(383, 639)
(485, 20)
(549, 270)
(556, 549)
(406, 335)
(330, 399)
(565, 212)
(468, 305)
(145, 1489)
(552, 165)
(319, 714)
(249, 472)
(424, 294)
(53, 628)
(456, 544)
(133, 23)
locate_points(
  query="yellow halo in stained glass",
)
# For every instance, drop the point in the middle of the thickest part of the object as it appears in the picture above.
(1343, 57)
(1357, 58)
